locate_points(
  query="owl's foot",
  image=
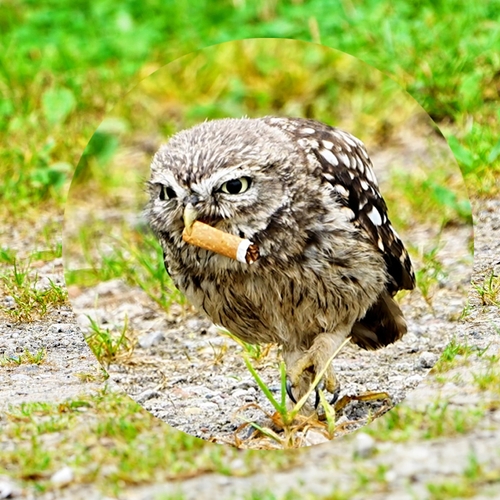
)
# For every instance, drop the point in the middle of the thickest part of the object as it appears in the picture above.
(302, 374)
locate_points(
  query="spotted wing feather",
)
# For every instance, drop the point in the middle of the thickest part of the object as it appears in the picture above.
(348, 168)
(345, 164)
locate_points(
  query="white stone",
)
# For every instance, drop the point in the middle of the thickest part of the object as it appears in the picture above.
(427, 359)
(314, 437)
(151, 339)
(364, 445)
(62, 477)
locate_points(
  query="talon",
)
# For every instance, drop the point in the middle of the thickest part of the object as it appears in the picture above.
(335, 395)
(321, 386)
(289, 390)
(316, 400)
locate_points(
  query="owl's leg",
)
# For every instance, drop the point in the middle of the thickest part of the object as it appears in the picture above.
(303, 367)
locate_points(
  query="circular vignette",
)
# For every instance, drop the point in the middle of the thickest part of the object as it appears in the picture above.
(171, 358)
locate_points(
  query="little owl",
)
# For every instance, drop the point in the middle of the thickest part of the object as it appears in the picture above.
(305, 193)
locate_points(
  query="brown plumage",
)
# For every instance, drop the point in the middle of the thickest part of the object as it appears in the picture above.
(305, 193)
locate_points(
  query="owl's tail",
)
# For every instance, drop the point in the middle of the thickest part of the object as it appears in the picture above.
(383, 324)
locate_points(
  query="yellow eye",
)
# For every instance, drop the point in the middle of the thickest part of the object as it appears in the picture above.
(236, 186)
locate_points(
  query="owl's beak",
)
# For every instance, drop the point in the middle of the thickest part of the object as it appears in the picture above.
(189, 216)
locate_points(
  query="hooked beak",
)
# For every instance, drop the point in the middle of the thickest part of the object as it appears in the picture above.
(189, 216)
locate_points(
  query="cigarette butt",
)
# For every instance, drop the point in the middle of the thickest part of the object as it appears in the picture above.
(232, 246)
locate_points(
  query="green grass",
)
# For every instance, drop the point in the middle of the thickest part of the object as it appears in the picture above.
(440, 419)
(255, 351)
(444, 54)
(26, 357)
(110, 347)
(109, 440)
(436, 196)
(474, 480)
(29, 300)
(430, 273)
(448, 356)
(266, 494)
(489, 379)
(489, 290)
(135, 258)
(436, 420)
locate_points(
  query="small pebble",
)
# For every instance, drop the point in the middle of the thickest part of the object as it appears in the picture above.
(314, 437)
(62, 477)
(364, 445)
(194, 410)
(239, 393)
(8, 489)
(151, 339)
(414, 380)
(83, 320)
(427, 359)
(60, 327)
(147, 395)
(390, 476)
(43, 284)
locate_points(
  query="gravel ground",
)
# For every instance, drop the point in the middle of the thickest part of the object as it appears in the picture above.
(185, 372)
(189, 375)
(408, 466)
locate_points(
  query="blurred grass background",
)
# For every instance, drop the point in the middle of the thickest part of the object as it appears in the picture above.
(65, 65)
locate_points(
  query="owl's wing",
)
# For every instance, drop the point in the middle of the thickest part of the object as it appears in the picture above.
(348, 168)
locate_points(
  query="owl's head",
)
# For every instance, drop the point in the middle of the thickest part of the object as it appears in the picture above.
(234, 174)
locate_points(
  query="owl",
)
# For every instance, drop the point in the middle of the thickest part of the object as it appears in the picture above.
(305, 193)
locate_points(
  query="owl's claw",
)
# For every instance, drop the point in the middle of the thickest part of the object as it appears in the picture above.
(289, 390)
(302, 373)
(317, 398)
(335, 395)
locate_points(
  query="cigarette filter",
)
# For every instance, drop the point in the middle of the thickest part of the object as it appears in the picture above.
(232, 246)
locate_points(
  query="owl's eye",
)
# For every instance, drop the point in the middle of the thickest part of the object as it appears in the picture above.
(236, 186)
(167, 193)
